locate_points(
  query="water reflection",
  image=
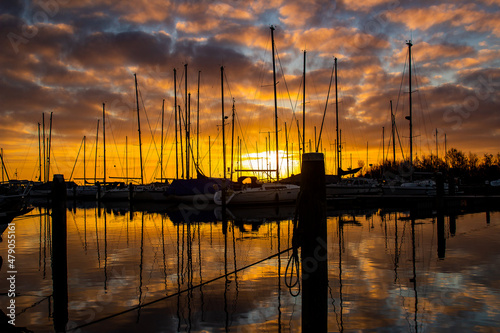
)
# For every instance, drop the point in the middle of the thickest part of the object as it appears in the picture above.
(148, 269)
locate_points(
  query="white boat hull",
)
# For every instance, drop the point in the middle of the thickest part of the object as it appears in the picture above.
(267, 194)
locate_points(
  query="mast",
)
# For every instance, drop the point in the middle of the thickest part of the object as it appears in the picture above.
(393, 121)
(96, 144)
(161, 145)
(209, 158)
(39, 155)
(223, 129)
(437, 151)
(232, 143)
(286, 147)
(198, 125)
(44, 150)
(126, 157)
(84, 166)
(186, 119)
(188, 137)
(410, 118)
(383, 145)
(298, 137)
(304, 108)
(175, 120)
(180, 140)
(49, 147)
(337, 121)
(104, 140)
(139, 129)
(275, 109)
(4, 168)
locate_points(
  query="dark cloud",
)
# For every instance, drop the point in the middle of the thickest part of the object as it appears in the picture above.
(135, 48)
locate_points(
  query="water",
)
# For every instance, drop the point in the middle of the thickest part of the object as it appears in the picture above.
(150, 271)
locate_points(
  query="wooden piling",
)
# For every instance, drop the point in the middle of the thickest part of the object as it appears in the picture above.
(59, 254)
(314, 250)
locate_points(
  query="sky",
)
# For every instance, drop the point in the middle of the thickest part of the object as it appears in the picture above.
(67, 58)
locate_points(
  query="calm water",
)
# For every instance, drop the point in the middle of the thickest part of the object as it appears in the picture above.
(152, 271)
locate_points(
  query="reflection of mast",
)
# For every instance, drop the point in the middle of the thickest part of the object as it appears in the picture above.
(414, 279)
(163, 251)
(226, 280)
(341, 249)
(140, 268)
(396, 251)
(189, 273)
(105, 254)
(97, 240)
(235, 272)
(178, 282)
(201, 278)
(279, 274)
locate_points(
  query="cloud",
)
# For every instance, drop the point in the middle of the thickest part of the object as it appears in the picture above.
(468, 16)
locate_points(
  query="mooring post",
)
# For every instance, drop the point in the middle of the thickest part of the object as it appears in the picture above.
(59, 254)
(314, 252)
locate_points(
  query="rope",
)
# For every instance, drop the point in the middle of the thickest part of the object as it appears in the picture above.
(293, 262)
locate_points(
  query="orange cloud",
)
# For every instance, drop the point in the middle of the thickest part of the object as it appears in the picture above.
(467, 16)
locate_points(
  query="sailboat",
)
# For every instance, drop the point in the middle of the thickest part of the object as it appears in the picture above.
(190, 190)
(121, 191)
(270, 193)
(425, 187)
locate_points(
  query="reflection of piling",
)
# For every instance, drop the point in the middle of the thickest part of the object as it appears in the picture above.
(98, 184)
(59, 254)
(131, 193)
(312, 226)
(453, 225)
(440, 215)
(441, 239)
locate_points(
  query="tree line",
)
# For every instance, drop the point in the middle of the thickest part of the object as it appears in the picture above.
(469, 168)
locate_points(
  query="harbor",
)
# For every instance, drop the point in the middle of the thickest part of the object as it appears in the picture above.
(258, 166)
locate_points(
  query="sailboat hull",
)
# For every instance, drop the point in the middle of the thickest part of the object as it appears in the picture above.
(267, 194)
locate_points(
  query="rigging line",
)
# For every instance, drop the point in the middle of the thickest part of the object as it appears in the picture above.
(326, 106)
(137, 307)
(400, 145)
(108, 124)
(76, 160)
(227, 83)
(165, 139)
(401, 84)
(289, 98)
(284, 79)
(211, 145)
(420, 98)
(150, 131)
